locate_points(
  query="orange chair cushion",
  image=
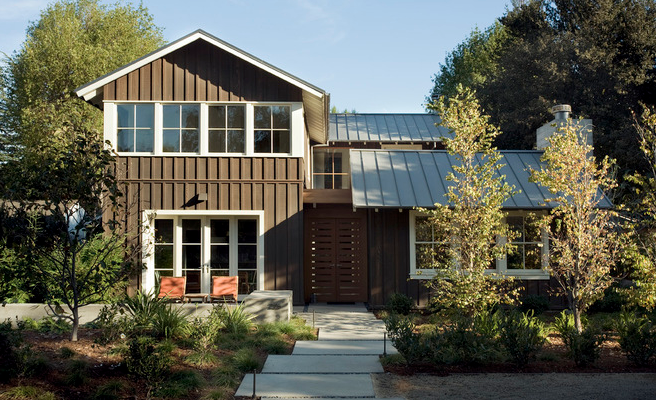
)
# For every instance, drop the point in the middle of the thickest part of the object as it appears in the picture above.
(172, 287)
(224, 286)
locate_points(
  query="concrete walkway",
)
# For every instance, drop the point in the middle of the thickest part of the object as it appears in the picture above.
(338, 365)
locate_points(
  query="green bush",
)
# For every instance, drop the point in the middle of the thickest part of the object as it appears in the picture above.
(168, 322)
(27, 392)
(180, 385)
(399, 303)
(614, 300)
(246, 360)
(146, 361)
(77, 374)
(110, 391)
(583, 348)
(469, 340)
(401, 331)
(9, 358)
(637, 338)
(533, 302)
(522, 335)
(236, 320)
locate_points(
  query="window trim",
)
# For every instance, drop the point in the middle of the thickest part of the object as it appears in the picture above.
(148, 239)
(348, 163)
(297, 128)
(501, 263)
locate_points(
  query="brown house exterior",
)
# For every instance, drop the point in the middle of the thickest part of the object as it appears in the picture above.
(235, 167)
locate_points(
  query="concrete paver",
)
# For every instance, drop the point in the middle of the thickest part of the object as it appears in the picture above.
(338, 365)
(321, 364)
(308, 385)
(344, 347)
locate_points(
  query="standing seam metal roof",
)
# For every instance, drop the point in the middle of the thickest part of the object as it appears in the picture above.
(386, 128)
(417, 178)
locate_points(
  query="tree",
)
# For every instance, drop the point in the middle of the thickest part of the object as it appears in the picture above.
(472, 220)
(583, 245)
(73, 42)
(597, 56)
(471, 63)
(641, 253)
(80, 258)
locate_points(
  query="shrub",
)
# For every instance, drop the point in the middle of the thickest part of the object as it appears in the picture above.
(522, 335)
(399, 303)
(27, 392)
(583, 348)
(78, 373)
(168, 322)
(236, 320)
(246, 360)
(401, 331)
(533, 302)
(614, 300)
(110, 391)
(468, 340)
(145, 361)
(637, 338)
(9, 357)
(180, 384)
(66, 352)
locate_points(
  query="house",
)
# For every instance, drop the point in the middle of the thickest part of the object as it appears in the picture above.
(235, 167)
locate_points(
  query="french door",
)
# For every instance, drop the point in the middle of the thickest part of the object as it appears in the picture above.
(201, 247)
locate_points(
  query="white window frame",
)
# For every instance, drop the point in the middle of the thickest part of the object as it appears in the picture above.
(501, 264)
(297, 129)
(148, 240)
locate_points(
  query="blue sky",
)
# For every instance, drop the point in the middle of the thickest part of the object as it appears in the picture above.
(370, 55)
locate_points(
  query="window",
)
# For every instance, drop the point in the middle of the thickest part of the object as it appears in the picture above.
(527, 261)
(201, 247)
(428, 251)
(135, 127)
(180, 128)
(272, 129)
(331, 169)
(528, 244)
(226, 129)
(164, 247)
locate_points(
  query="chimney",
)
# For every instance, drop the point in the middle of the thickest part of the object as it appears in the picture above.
(561, 114)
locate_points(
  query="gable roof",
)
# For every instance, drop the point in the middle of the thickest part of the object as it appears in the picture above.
(316, 101)
(414, 178)
(386, 128)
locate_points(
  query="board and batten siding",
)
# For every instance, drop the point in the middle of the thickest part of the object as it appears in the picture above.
(200, 72)
(389, 263)
(274, 185)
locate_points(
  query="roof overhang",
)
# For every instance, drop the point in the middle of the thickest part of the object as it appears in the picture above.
(315, 100)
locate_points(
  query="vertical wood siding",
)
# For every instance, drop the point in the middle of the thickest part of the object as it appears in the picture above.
(231, 183)
(200, 72)
(389, 263)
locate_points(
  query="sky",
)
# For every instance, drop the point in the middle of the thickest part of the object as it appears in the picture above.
(372, 56)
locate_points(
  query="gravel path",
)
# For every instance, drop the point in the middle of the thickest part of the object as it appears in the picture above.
(606, 386)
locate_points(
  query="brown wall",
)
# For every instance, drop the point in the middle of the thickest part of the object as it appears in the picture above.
(389, 263)
(200, 72)
(274, 185)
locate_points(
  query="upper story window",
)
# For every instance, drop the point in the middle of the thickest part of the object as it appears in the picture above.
(226, 129)
(272, 129)
(330, 168)
(135, 127)
(180, 128)
(200, 128)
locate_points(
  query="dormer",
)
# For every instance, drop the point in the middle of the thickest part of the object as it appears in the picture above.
(202, 96)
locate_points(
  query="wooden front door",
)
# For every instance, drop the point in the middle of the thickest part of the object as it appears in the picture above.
(335, 258)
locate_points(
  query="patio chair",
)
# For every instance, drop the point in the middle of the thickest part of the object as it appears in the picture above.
(224, 288)
(172, 288)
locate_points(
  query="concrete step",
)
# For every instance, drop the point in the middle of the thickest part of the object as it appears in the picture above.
(340, 334)
(342, 347)
(322, 364)
(308, 385)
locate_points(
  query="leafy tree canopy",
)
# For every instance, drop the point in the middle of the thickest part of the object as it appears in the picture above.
(72, 43)
(597, 56)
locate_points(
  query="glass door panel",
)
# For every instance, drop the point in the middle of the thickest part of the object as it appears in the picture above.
(219, 249)
(191, 254)
(247, 255)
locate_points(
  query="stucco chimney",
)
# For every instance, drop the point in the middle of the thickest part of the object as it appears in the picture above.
(561, 114)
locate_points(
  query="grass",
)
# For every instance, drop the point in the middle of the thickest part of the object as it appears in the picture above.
(27, 393)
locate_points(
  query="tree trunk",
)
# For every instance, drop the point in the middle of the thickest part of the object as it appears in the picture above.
(577, 318)
(76, 324)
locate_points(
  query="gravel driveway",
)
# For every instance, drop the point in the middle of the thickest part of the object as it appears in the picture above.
(517, 386)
